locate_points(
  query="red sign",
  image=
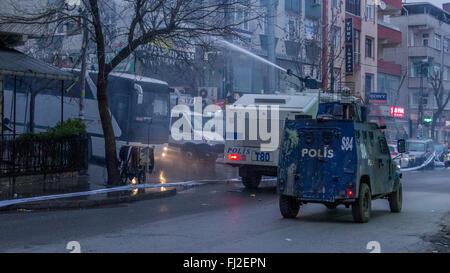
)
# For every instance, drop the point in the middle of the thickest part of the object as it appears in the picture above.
(397, 111)
(220, 103)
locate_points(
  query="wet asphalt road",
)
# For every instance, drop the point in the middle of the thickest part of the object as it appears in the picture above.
(223, 217)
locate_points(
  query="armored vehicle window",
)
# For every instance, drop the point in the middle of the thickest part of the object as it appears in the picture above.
(358, 135)
(364, 134)
(383, 145)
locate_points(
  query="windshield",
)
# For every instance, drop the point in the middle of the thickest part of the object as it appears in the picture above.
(154, 105)
(439, 147)
(416, 147)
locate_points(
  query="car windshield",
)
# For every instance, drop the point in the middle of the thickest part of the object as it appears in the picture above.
(439, 147)
(416, 147)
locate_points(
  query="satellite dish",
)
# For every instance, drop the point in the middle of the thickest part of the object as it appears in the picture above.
(382, 5)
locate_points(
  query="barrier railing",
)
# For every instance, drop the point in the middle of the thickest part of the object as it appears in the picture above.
(26, 156)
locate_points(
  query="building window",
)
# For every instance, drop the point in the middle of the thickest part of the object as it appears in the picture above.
(370, 12)
(337, 80)
(335, 4)
(425, 38)
(336, 39)
(369, 85)
(446, 44)
(293, 5)
(416, 67)
(291, 30)
(242, 18)
(445, 73)
(353, 6)
(437, 69)
(369, 48)
(437, 41)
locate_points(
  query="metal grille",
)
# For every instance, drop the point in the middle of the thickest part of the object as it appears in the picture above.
(42, 156)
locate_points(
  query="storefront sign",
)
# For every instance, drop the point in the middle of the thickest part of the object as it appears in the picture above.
(378, 98)
(348, 58)
(397, 111)
(349, 30)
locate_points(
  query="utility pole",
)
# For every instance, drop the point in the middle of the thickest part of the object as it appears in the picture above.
(271, 47)
(333, 33)
(228, 79)
(84, 48)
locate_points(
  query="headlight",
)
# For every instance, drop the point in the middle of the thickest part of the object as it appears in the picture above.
(165, 149)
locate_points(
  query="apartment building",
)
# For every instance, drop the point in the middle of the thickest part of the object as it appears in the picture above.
(358, 33)
(294, 26)
(424, 54)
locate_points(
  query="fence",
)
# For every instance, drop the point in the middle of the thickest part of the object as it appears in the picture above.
(33, 156)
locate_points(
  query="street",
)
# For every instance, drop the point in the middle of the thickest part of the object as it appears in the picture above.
(224, 217)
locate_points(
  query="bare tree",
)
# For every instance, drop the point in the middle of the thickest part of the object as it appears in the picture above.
(184, 23)
(441, 97)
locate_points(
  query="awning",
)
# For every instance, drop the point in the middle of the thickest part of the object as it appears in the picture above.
(15, 63)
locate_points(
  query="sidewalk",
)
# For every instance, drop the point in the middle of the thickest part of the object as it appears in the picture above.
(74, 190)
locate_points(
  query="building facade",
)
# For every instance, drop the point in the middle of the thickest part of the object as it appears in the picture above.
(425, 55)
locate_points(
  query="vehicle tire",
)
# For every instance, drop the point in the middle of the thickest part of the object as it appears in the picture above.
(289, 207)
(189, 152)
(362, 206)
(331, 206)
(396, 199)
(141, 177)
(251, 181)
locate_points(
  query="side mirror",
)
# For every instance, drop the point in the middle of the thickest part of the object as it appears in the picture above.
(401, 146)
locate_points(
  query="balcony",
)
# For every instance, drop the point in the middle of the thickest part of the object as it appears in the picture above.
(389, 35)
(389, 68)
(424, 51)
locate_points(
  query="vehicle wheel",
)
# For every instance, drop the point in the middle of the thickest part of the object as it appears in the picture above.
(141, 177)
(395, 199)
(289, 207)
(124, 177)
(251, 181)
(331, 206)
(362, 206)
(189, 152)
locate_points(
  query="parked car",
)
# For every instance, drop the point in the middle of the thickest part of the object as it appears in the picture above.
(442, 153)
(419, 150)
(402, 160)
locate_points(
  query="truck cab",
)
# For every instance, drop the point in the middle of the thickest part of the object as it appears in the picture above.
(337, 159)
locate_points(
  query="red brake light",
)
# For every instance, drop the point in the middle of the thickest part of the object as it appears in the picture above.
(394, 153)
(350, 193)
(236, 157)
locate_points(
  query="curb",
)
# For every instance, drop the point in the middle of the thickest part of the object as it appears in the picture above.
(80, 204)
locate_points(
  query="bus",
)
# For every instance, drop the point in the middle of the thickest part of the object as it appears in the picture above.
(139, 107)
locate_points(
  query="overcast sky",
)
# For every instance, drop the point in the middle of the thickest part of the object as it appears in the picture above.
(437, 3)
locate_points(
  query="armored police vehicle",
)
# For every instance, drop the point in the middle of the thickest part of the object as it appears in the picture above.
(337, 158)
